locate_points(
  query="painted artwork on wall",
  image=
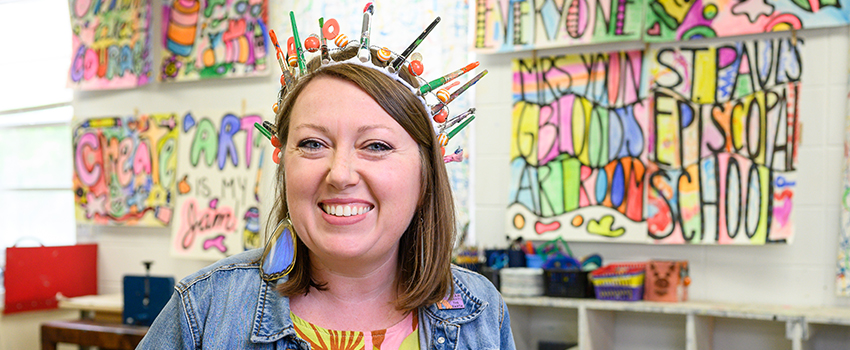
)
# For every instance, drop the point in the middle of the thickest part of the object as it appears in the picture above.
(214, 39)
(724, 143)
(842, 272)
(124, 170)
(513, 25)
(689, 145)
(578, 154)
(111, 43)
(668, 20)
(218, 175)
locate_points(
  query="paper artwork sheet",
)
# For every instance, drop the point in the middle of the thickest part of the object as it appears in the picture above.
(214, 39)
(124, 170)
(689, 145)
(111, 44)
(510, 25)
(218, 195)
(670, 20)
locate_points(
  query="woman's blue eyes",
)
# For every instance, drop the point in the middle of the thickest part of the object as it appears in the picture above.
(314, 145)
(310, 144)
(378, 147)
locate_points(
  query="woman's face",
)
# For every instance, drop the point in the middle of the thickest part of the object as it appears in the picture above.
(352, 173)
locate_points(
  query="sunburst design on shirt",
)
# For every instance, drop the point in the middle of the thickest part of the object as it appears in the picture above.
(402, 336)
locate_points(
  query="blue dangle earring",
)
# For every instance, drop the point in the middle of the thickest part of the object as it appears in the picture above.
(279, 254)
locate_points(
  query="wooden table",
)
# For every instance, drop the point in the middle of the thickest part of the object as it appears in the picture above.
(100, 325)
(104, 307)
(113, 336)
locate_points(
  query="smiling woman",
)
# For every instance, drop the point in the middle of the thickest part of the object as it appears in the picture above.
(366, 157)
(362, 252)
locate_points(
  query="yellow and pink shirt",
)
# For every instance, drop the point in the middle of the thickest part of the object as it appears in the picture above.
(402, 336)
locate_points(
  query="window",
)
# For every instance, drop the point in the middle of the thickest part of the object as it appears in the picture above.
(36, 201)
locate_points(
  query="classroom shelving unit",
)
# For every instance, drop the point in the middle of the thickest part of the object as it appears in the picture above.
(596, 320)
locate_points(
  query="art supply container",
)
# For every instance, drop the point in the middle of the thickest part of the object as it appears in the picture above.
(567, 283)
(516, 258)
(621, 281)
(521, 281)
(534, 260)
(496, 258)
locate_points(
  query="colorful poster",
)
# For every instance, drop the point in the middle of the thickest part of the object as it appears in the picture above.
(842, 273)
(578, 150)
(124, 170)
(111, 44)
(724, 140)
(668, 20)
(214, 39)
(218, 174)
(704, 152)
(513, 25)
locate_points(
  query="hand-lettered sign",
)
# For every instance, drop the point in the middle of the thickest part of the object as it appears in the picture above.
(695, 144)
(111, 44)
(511, 25)
(124, 170)
(218, 175)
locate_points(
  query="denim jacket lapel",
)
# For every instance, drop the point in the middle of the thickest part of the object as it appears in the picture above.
(271, 321)
(435, 322)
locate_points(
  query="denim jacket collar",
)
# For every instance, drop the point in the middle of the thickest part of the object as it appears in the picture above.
(272, 321)
(432, 316)
(472, 306)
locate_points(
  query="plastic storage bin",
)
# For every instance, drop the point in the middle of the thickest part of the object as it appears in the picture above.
(534, 261)
(567, 283)
(621, 281)
(521, 281)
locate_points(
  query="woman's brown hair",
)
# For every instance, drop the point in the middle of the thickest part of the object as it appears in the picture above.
(424, 260)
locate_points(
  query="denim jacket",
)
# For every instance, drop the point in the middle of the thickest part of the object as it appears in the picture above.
(228, 306)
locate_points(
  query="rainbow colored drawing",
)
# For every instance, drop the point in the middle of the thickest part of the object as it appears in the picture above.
(669, 20)
(217, 200)
(842, 266)
(214, 39)
(111, 44)
(510, 25)
(695, 145)
(124, 170)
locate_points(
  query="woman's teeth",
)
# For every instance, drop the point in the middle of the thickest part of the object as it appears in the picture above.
(345, 210)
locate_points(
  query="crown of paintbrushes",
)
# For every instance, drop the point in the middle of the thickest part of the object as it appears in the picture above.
(293, 65)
